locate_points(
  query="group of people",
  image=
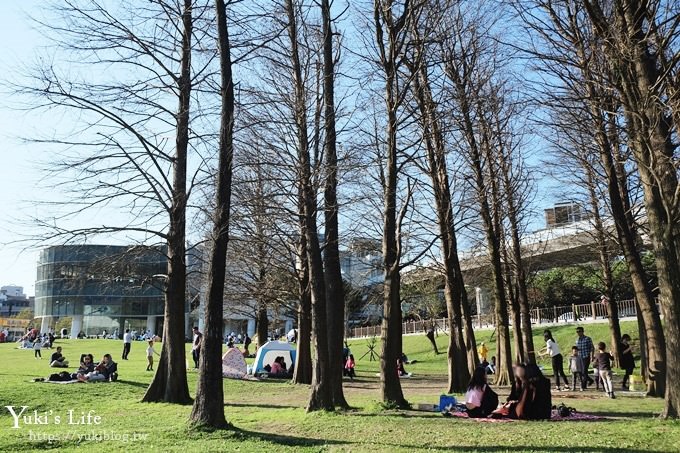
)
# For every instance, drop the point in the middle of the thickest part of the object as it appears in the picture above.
(232, 340)
(88, 370)
(278, 368)
(583, 355)
(529, 398)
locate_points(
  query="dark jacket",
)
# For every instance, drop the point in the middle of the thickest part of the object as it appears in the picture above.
(536, 401)
(627, 360)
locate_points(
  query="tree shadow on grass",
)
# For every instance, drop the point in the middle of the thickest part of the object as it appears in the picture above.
(133, 383)
(290, 441)
(262, 406)
(505, 448)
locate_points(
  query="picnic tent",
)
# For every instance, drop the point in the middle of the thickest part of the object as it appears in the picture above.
(234, 364)
(270, 351)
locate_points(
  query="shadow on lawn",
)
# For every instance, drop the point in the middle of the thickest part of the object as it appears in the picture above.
(505, 448)
(290, 441)
(259, 406)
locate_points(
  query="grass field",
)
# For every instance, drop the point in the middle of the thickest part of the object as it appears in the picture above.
(269, 415)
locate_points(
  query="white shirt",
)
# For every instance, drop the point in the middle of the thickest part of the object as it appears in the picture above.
(150, 352)
(552, 347)
(127, 337)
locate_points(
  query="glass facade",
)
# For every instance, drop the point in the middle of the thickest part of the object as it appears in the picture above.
(111, 287)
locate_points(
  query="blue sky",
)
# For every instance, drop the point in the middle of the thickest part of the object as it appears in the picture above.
(19, 175)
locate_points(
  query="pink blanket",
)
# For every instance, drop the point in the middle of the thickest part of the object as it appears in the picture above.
(576, 416)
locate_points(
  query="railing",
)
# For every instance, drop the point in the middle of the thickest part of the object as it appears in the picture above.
(553, 315)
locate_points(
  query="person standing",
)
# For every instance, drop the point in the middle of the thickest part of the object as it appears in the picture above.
(553, 350)
(37, 344)
(150, 351)
(627, 362)
(246, 345)
(576, 368)
(483, 352)
(586, 351)
(603, 361)
(127, 342)
(196, 346)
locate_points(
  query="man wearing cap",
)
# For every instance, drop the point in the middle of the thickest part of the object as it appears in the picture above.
(586, 351)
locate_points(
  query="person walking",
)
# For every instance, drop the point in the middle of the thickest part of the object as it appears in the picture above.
(586, 351)
(603, 361)
(553, 350)
(627, 362)
(127, 342)
(196, 346)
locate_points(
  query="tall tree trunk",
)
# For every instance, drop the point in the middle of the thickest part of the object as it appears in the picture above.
(170, 381)
(208, 409)
(459, 375)
(335, 297)
(636, 57)
(601, 239)
(303, 356)
(510, 189)
(262, 322)
(391, 56)
(321, 396)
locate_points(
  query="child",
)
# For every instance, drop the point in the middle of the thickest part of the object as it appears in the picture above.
(576, 368)
(627, 361)
(37, 344)
(149, 356)
(349, 367)
(603, 361)
(596, 373)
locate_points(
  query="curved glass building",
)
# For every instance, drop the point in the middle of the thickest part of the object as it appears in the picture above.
(102, 288)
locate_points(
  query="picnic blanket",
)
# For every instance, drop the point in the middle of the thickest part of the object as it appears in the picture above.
(576, 416)
(74, 381)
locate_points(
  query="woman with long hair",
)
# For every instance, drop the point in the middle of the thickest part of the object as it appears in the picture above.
(535, 403)
(553, 350)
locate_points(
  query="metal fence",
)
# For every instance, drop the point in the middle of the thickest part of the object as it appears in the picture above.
(554, 315)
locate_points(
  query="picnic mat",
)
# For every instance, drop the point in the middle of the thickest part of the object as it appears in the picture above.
(74, 381)
(576, 416)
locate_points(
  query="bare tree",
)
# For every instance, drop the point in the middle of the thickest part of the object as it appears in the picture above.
(208, 409)
(119, 155)
(454, 289)
(335, 304)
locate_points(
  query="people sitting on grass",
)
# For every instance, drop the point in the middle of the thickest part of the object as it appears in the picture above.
(491, 367)
(401, 371)
(535, 402)
(519, 371)
(603, 363)
(86, 366)
(480, 400)
(105, 370)
(58, 360)
(278, 368)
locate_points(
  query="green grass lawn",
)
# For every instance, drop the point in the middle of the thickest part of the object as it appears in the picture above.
(269, 415)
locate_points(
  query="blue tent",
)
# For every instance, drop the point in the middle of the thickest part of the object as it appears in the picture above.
(270, 351)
